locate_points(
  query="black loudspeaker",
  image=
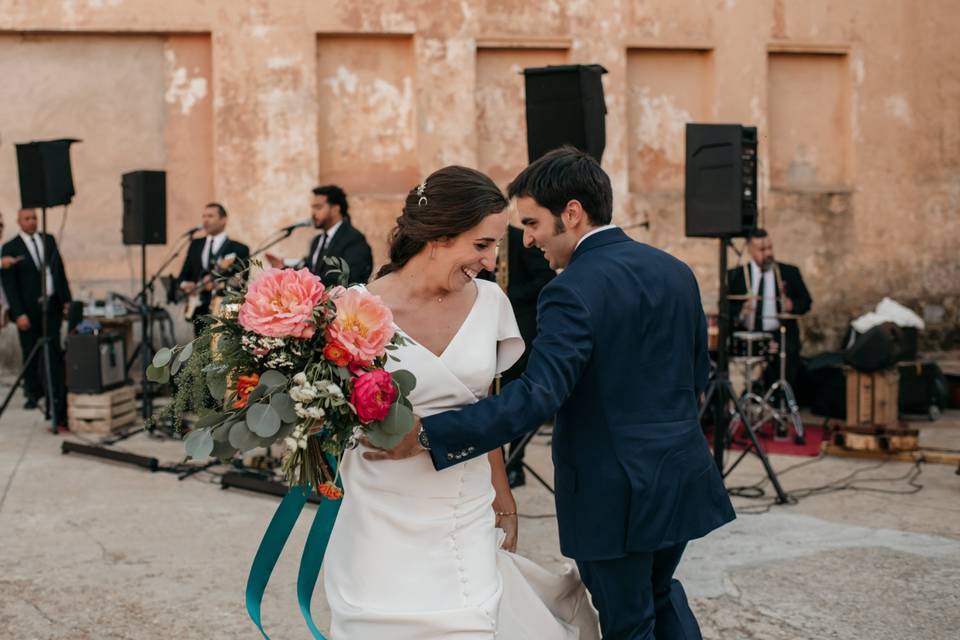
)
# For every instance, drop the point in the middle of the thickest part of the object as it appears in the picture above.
(45, 176)
(720, 194)
(878, 348)
(565, 106)
(95, 363)
(145, 207)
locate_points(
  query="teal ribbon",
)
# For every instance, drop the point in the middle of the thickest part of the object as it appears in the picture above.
(272, 544)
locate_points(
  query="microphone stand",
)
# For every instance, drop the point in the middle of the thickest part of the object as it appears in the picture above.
(278, 236)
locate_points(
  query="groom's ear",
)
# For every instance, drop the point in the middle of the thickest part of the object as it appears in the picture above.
(574, 215)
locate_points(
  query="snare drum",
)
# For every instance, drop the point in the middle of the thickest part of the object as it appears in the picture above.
(754, 343)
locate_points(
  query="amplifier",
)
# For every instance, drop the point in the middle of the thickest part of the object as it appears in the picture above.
(95, 363)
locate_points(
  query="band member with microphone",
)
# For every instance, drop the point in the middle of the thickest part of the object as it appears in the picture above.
(338, 238)
(780, 298)
(208, 258)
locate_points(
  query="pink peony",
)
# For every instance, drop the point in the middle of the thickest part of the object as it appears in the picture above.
(373, 393)
(363, 326)
(279, 304)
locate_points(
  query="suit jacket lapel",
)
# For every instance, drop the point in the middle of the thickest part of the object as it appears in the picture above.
(339, 239)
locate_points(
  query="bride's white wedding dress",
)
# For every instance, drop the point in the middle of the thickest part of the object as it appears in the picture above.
(414, 554)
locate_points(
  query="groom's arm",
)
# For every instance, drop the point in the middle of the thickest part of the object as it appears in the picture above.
(558, 356)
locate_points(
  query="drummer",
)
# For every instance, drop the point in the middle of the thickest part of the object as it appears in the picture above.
(765, 294)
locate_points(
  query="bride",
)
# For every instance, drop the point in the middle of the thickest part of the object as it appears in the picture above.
(418, 554)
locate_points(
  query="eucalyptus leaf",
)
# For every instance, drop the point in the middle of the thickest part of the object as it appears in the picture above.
(217, 384)
(162, 357)
(379, 438)
(398, 421)
(175, 366)
(199, 444)
(273, 378)
(164, 376)
(185, 353)
(283, 405)
(242, 438)
(405, 380)
(263, 420)
(221, 433)
(210, 420)
(223, 449)
(154, 373)
(256, 394)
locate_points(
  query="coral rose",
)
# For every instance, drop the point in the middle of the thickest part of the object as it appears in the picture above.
(280, 303)
(363, 326)
(373, 393)
(245, 384)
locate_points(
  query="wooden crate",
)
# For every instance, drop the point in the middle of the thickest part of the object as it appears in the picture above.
(101, 412)
(872, 398)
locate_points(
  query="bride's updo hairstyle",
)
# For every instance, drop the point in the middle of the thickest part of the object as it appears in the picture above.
(450, 201)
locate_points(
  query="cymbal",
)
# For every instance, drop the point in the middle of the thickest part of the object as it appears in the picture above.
(751, 336)
(743, 296)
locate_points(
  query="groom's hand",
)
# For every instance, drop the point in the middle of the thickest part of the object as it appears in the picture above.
(407, 448)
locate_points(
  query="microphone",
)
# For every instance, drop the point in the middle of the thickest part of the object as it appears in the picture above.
(193, 230)
(296, 225)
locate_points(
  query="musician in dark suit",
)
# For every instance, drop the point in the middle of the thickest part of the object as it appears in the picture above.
(780, 290)
(209, 258)
(524, 272)
(22, 283)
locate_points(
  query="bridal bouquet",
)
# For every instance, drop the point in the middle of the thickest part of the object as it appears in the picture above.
(287, 360)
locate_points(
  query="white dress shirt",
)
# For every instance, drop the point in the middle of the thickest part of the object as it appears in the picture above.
(32, 249)
(769, 300)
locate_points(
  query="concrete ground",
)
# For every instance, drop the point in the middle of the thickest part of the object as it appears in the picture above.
(96, 550)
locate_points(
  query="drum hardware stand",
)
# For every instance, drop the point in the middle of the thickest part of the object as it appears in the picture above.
(787, 412)
(720, 394)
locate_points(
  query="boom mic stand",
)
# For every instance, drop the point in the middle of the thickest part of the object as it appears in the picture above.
(43, 344)
(720, 394)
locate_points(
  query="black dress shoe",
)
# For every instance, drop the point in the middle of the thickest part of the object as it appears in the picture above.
(516, 478)
(31, 403)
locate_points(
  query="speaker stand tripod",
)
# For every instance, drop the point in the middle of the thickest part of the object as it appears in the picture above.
(720, 394)
(43, 344)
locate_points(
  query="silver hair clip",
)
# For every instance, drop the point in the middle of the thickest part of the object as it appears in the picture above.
(423, 199)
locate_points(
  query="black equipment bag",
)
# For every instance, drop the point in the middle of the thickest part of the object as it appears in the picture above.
(923, 389)
(879, 348)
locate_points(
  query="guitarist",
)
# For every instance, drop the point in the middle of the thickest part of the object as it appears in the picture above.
(209, 258)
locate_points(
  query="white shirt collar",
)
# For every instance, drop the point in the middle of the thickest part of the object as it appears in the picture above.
(332, 230)
(27, 238)
(594, 232)
(218, 239)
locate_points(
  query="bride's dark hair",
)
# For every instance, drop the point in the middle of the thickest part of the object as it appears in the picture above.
(450, 201)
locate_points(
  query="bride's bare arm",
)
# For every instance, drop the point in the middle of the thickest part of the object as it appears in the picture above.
(503, 504)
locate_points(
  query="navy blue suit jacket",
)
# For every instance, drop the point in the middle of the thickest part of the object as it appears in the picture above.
(621, 359)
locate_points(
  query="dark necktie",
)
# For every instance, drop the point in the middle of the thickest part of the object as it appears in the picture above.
(208, 260)
(36, 251)
(321, 251)
(761, 293)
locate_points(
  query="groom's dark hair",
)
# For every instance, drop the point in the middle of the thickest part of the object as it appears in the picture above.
(563, 175)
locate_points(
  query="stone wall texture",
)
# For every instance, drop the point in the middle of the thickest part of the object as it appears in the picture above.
(253, 102)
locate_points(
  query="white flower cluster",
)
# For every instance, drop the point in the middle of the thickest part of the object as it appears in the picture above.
(260, 345)
(306, 395)
(297, 438)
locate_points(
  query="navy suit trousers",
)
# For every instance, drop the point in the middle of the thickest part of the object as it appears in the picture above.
(638, 598)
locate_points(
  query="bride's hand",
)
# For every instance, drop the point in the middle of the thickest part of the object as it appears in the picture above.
(510, 524)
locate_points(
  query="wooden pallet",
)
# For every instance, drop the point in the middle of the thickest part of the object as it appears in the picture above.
(101, 412)
(925, 455)
(878, 438)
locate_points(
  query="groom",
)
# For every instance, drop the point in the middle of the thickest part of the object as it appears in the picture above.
(621, 358)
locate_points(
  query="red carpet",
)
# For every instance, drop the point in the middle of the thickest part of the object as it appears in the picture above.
(814, 436)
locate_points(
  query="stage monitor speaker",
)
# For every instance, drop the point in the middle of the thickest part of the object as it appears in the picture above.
(565, 106)
(44, 170)
(144, 207)
(720, 194)
(95, 363)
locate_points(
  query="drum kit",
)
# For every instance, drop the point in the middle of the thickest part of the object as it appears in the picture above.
(752, 352)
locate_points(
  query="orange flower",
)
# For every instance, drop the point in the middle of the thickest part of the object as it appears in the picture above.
(245, 384)
(336, 354)
(330, 491)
